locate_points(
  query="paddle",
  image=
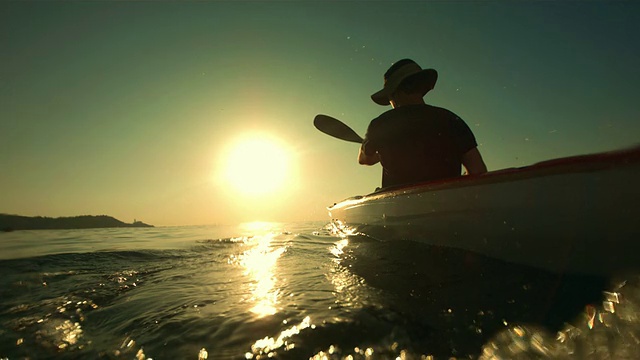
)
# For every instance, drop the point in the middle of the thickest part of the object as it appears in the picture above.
(336, 128)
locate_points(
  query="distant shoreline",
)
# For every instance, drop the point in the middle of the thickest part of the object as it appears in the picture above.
(17, 222)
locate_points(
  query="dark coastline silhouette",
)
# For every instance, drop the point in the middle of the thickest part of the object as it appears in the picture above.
(17, 222)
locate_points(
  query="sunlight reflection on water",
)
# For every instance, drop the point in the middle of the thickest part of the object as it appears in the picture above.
(260, 264)
(265, 347)
(337, 250)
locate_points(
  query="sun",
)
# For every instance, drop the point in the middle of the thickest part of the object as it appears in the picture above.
(257, 164)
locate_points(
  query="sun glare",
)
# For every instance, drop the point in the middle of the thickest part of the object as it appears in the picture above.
(257, 165)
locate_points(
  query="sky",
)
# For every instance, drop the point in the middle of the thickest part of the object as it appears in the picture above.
(136, 109)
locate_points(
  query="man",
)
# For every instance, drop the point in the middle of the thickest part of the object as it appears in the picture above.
(416, 142)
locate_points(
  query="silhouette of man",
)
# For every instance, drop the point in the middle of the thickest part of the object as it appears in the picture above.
(414, 141)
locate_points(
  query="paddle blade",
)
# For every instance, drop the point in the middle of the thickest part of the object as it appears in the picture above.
(336, 128)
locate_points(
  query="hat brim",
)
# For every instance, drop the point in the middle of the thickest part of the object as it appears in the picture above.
(428, 79)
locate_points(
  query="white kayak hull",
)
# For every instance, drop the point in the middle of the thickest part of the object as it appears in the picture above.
(576, 215)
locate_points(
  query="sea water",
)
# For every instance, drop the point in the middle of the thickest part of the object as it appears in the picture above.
(295, 291)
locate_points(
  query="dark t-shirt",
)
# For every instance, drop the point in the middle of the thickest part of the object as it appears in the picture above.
(418, 143)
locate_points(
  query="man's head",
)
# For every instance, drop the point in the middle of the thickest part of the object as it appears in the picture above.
(407, 76)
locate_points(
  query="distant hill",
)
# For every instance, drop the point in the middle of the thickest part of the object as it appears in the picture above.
(17, 222)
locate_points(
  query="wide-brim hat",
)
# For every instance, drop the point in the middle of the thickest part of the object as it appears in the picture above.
(401, 71)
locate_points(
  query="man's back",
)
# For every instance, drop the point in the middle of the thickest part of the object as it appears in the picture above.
(418, 143)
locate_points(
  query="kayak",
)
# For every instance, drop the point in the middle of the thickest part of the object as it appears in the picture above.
(575, 214)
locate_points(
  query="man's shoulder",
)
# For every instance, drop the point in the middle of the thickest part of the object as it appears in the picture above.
(389, 114)
(416, 111)
(413, 113)
(437, 110)
(386, 117)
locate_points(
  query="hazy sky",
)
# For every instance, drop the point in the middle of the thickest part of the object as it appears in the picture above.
(131, 109)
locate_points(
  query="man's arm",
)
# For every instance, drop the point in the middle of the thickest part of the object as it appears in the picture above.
(364, 159)
(472, 161)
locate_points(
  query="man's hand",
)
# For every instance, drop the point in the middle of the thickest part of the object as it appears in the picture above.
(364, 159)
(472, 161)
